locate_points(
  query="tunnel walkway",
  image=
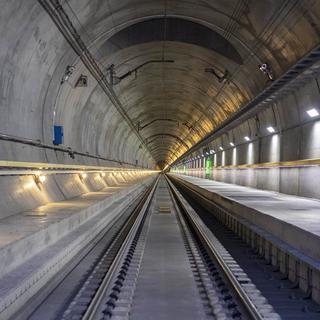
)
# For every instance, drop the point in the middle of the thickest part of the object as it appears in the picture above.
(36, 244)
(294, 220)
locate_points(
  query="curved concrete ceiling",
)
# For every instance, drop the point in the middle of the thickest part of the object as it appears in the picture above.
(173, 30)
(232, 39)
(172, 105)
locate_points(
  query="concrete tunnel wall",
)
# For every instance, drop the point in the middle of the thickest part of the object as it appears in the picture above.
(34, 56)
(296, 137)
(174, 106)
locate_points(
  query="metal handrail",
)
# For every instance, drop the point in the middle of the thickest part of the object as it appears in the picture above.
(69, 150)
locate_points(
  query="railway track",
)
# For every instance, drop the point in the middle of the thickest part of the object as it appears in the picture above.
(161, 261)
(287, 299)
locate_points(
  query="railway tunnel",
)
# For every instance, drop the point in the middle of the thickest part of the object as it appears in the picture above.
(159, 159)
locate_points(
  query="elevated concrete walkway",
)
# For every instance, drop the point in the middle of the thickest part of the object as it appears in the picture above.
(36, 244)
(295, 220)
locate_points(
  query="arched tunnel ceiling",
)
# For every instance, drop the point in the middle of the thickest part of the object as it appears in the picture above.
(172, 29)
(175, 104)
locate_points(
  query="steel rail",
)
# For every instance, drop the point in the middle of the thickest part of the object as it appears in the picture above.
(105, 285)
(245, 300)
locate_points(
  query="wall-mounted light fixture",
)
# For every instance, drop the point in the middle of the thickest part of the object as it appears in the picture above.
(82, 176)
(39, 179)
(312, 113)
(246, 138)
(212, 151)
(221, 148)
(67, 74)
(271, 129)
(231, 144)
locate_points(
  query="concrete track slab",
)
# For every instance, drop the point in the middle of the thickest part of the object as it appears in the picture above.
(165, 275)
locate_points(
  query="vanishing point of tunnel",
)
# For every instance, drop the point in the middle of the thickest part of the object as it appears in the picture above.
(159, 159)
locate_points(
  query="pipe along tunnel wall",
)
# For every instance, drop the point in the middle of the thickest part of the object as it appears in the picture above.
(165, 108)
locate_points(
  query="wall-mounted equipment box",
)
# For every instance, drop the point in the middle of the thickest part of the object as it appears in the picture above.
(57, 135)
(82, 81)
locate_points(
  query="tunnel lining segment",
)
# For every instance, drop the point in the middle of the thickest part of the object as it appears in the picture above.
(64, 24)
(262, 100)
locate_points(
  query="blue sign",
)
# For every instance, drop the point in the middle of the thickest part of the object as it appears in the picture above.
(58, 135)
